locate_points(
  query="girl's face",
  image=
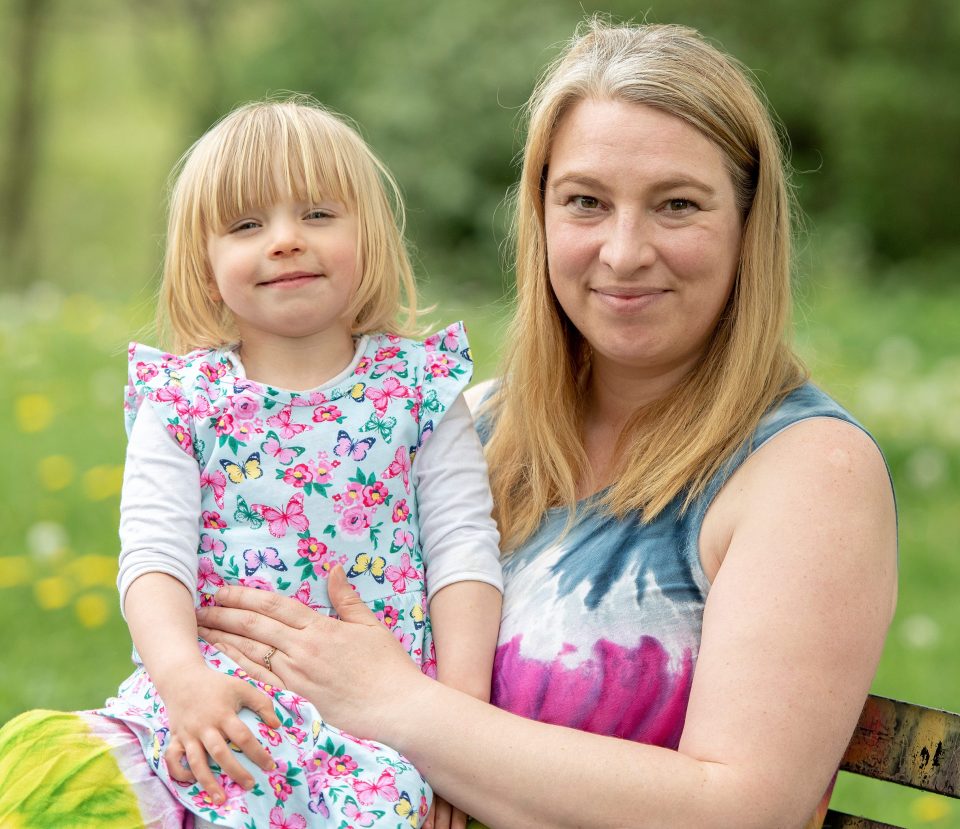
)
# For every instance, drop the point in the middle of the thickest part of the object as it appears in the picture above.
(289, 270)
(643, 235)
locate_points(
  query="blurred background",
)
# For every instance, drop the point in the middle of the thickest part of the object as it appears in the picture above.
(98, 100)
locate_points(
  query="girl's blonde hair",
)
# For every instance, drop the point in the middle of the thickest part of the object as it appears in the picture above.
(258, 155)
(676, 444)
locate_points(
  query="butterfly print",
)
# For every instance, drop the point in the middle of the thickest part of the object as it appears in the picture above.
(283, 454)
(253, 560)
(280, 520)
(250, 468)
(347, 447)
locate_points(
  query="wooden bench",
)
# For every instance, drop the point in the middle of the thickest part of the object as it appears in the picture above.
(906, 744)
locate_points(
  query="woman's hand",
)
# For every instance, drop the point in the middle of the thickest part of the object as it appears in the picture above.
(352, 669)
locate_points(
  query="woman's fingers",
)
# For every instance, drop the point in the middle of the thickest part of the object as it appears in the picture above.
(282, 609)
(346, 601)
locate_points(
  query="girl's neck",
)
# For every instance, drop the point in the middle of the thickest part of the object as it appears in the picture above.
(295, 364)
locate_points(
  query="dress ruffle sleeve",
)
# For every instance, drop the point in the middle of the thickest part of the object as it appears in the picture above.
(164, 381)
(447, 370)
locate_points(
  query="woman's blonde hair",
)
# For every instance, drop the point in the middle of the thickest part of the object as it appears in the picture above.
(258, 155)
(676, 444)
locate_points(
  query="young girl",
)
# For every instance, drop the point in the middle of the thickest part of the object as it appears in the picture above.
(299, 431)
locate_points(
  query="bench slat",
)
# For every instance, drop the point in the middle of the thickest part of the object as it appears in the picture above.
(906, 744)
(840, 820)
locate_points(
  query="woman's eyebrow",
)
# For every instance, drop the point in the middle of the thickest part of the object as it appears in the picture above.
(580, 179)
(673, 182)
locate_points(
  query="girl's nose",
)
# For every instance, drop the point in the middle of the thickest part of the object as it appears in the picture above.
(286, 241)
(627, 246)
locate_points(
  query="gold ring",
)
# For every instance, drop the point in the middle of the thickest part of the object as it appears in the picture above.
(266, 659)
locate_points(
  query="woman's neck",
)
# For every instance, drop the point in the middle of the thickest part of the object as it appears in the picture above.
(296, 364)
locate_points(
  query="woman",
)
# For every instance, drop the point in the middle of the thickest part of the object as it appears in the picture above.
(700, 547)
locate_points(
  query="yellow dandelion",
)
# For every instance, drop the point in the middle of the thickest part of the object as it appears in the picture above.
(92, 571)
(930, 808)
(56, 472)
(92, 610)
(81, 314)
(101, 482)
(14, 570)
(34, 412)
(52, 593)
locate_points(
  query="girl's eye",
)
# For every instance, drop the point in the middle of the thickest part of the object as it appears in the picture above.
(319, 213)
(246, 224)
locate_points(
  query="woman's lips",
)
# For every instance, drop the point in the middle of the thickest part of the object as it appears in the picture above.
(628, 300)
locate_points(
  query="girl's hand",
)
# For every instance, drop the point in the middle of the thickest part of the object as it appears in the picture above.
(203, 719)
(352, 669)
(444, 816)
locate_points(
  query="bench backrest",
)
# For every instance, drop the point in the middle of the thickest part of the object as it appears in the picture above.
(902, 743)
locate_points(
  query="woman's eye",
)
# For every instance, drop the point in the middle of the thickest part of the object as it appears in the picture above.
(679, 205)
(585, 202)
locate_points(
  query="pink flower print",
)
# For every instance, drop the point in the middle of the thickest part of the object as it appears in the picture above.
(392, 389)
(388, 616)
(269, 734)
(328, 564)
(415, 406)
(401, 512)
(207, 576)
(385, 787)
(359, 817)
(243, 430)
(172, 393)
(223, 425)
(353, 494)
(326, 413)
(283, 423)
(429, 666)
(279, 821)
(278, 782)
(207, 600)
(424, 807)
(323, 468)
(201, 409)
(181, 436)
(312, 549)
(354, 520)
(298, 735)
(375, 494)
(146, 371)
(402, 538)
(244, 406)
(405, 639)
(297, 476)
(213, 520)
(341, 766)
(234, 801)
(431, 342)
(386, 353)
(217, 482)
(213, 371)
(440, 366)
(397, 576)
(363, 366)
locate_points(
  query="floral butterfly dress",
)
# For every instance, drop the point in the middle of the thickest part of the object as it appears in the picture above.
(291, 485)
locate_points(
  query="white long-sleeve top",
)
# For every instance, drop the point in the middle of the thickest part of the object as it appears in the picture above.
(458, 535)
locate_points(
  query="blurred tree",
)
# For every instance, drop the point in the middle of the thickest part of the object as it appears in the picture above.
(20, 165)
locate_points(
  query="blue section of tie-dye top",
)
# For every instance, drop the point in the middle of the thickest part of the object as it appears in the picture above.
(601, 626)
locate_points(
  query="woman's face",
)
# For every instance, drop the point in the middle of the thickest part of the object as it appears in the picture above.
(643, 235)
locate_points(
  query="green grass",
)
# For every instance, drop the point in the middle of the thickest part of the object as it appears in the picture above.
(888, 352)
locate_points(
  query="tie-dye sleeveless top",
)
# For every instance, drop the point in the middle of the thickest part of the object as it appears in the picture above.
(601, 627)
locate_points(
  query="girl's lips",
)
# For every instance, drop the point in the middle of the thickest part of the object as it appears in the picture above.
(290, 280)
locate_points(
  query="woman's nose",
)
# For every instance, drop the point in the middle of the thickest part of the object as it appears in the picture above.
(627, 245)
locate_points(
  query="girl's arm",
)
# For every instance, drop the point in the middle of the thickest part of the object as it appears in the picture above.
(792, 633)
(159, 536)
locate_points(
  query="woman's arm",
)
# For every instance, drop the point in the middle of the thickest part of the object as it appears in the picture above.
(792, 633)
